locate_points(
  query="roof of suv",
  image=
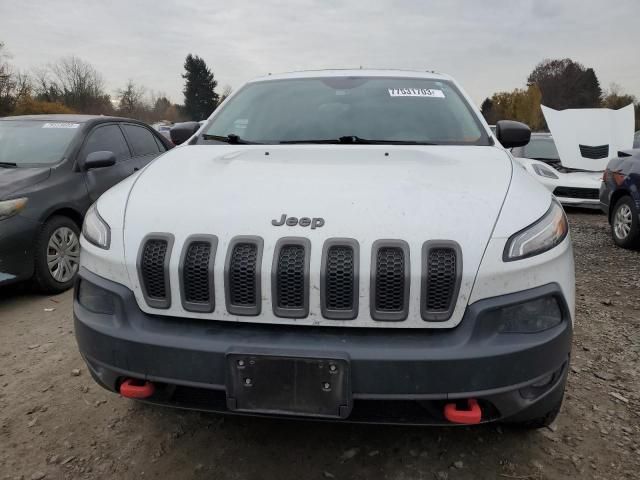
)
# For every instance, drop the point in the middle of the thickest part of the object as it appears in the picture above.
(358, 72)
(60, 117)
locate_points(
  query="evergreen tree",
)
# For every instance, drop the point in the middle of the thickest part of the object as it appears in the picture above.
(200, 98)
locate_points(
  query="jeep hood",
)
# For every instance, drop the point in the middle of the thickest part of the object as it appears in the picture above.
(587, 138)
(362, 192)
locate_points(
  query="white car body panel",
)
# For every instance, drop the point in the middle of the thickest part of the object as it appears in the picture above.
(592, 127)
(590, 180)
(476, 196)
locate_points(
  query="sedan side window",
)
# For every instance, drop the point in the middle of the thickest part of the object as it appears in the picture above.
(142, 140)
(107, 138)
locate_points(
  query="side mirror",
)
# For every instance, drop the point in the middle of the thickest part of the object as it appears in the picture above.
(512, 134)
(99, 159)
(181, 132)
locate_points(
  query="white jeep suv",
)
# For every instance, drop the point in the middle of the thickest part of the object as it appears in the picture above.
(351, 245)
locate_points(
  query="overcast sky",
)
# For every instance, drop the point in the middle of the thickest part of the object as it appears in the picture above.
(488, 45)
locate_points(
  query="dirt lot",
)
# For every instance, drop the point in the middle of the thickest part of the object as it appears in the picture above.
(56, 423)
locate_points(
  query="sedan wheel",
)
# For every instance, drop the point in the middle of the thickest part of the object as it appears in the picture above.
(63, 254)
(622, 222)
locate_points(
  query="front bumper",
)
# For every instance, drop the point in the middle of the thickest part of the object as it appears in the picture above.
(396, 376)
(17, 238)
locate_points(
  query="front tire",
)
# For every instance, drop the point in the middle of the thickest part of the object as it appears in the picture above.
(57, 255)
(624, 224)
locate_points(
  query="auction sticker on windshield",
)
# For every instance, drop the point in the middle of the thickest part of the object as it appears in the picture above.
(416, 92)
(61, 125)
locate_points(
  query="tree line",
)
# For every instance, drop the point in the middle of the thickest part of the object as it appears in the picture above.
(72, 85)
(558, 84)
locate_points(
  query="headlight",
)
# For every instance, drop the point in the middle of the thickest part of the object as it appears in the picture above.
(544, 171)
(95, 229)
(9, 208)
(539, 237)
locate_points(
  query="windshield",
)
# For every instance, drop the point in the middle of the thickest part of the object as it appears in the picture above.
(27, 142)
(411, 110)
(541, 148)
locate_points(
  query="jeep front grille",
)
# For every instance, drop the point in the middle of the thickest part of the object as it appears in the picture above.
(153, 265)
(440, 279)
(242, 276)
(290, 278)
(388, 277)
(196, 273)
(594, 153)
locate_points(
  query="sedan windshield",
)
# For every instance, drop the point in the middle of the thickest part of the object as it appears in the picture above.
(348, 110)
(34, 142)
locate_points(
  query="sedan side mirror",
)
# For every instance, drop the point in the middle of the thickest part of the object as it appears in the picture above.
(512, 134)
(181, 132)
(99, 160)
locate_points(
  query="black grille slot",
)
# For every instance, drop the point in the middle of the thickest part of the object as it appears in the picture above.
(390, 293)
(441, 274)
(390, 280)
(594, 153)
(441, 279)
(242, 274)
(290, 278)
(339, 281)
(153, 268)
(577, 192)
(196, 273)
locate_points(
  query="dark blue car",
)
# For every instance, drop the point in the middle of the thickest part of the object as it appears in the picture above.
(620, 198)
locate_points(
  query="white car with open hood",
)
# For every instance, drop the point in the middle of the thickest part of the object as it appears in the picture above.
(570, 160)
(328, 241)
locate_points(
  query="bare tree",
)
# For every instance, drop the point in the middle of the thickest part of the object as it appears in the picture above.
(75, 83)
(131, 100)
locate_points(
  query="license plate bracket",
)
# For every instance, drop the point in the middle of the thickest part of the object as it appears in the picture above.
(289, 385)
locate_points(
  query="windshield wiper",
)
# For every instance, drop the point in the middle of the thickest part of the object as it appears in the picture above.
(353, 139)
(231, 139)
(8, 164)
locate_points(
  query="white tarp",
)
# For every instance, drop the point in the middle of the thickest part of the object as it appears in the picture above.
(590, 127)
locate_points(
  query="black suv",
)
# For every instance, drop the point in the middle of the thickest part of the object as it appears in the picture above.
(52, 168)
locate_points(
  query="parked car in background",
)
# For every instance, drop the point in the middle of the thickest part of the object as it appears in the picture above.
(163, 129)
(620, 198)
(570, 160)
(636, 140)
(52, 168)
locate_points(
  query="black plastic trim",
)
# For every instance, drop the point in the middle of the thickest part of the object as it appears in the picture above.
(290, 312)
(244, 310)
(208, 307)
(439, 316)
(382, 315)
(340, 314)
(156, 302)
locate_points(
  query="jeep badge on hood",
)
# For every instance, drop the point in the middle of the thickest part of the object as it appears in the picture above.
(303, 222)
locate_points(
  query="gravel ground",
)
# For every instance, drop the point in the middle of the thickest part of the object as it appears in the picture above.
(56, 423)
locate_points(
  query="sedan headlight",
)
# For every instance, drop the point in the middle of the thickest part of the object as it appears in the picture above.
(95, 229)
(538, 237)
(544, 171)
(8, 208)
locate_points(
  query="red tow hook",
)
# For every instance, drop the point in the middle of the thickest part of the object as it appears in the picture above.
(133, 388)
(471, 416)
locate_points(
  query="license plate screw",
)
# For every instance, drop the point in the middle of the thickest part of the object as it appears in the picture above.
(326, 386)
(333, 368)
(241, 363)
(248, 382)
